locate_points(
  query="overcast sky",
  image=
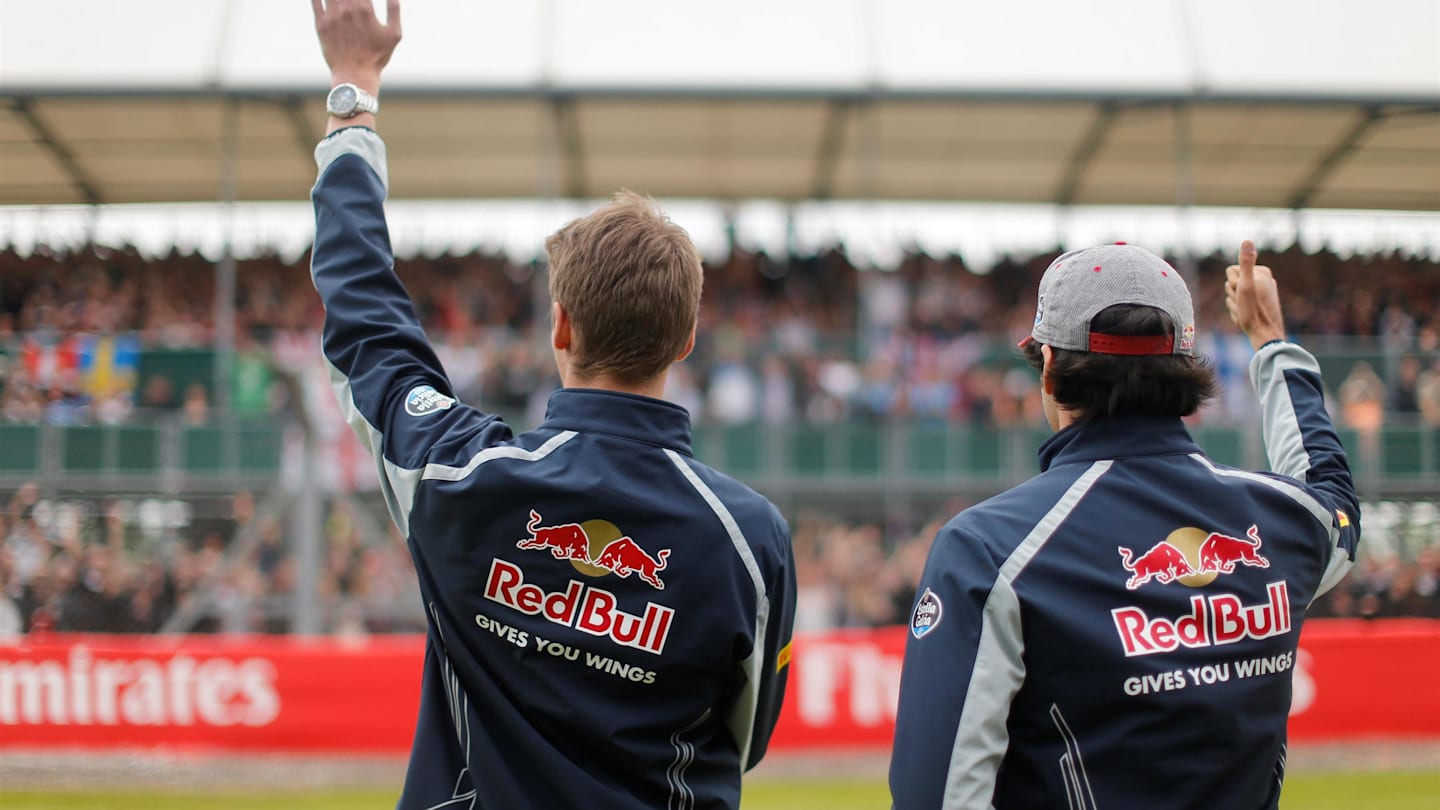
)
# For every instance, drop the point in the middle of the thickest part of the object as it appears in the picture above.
(1385, 48)
(1300, 46)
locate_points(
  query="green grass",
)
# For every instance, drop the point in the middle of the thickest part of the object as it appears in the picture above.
(1383, 790)
(816, 794)
(1341, 791)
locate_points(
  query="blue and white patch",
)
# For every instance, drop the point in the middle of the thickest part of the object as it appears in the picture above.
(424, 400)
(927, 614)
(1040, 310)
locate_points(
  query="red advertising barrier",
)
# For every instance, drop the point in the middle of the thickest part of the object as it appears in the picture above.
(252, 693)
(1352, 679)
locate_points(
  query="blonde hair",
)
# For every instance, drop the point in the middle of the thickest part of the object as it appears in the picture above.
(630, 281)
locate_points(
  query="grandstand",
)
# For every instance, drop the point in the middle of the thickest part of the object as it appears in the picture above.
(876, 416)
(172, 460)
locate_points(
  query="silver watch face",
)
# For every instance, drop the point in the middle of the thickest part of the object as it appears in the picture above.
(343, 100)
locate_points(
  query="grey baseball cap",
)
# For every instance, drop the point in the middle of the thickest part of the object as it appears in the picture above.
(1081, 283)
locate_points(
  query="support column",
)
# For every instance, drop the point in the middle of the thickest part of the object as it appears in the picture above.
(1185, 188)
(224, 310)
(307, 527)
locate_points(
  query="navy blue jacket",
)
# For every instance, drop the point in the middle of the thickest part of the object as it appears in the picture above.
(1120, 631)
(609, 619)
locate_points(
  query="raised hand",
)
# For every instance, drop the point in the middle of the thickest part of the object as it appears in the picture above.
(356, 45)
(1253, 299)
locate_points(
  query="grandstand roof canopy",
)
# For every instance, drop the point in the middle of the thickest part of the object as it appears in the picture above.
(1283, 103)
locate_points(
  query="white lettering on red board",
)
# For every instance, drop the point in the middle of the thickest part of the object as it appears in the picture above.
(864, 673)
(90, 690)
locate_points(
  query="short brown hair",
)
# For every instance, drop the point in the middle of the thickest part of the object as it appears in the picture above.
(630, 281)
(1099, 386)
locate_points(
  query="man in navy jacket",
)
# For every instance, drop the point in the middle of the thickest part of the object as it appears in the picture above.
(609, 619)
(1120, 631)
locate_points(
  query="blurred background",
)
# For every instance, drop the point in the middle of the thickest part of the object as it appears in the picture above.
(877, 188)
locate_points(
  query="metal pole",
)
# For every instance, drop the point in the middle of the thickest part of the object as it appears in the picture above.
(306, 521)
(308, 528)
(1185, 188)
(225, 270)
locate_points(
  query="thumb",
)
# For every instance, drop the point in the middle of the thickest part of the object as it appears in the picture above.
(1248, 255)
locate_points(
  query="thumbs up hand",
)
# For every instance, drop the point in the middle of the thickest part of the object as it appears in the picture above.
(1253, 299)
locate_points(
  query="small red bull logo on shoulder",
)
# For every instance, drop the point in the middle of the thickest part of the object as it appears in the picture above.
(1192, 557)
(596, 548)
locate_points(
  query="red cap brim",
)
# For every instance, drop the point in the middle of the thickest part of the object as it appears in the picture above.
(1131, 344)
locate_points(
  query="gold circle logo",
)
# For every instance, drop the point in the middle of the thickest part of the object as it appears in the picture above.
(1189, 540)
(602, 533)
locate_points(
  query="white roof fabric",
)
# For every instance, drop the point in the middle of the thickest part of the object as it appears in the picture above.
(1278, 104)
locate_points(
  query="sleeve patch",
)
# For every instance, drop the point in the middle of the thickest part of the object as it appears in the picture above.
(424, 400)
(782, 659)
(926, 617)
(1344, 518)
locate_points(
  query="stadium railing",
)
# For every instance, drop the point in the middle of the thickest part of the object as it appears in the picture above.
(1399, 460)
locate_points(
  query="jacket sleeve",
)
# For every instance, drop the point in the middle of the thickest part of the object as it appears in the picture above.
(963, 666)
(391, 387)
(1301, 443)
(775, 657)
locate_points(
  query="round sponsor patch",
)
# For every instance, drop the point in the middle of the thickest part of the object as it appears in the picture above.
(424, 399)
(927, 614)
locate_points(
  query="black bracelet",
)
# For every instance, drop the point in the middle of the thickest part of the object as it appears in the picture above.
(342, 129)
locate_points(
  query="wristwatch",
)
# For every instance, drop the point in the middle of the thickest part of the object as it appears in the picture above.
(347, 101)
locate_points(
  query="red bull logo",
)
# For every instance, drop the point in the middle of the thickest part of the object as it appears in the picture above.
(567, 542)
(1163, 563)
(1192, 557)
(588, 609)
(622, 557)
(1221, 552)
(596, 548)
(1213, 621)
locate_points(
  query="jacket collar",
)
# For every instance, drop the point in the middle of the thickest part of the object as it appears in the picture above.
(1120, 437)
(629, 416)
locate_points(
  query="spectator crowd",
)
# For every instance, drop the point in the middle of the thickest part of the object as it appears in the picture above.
(813, 339)
(232, 570)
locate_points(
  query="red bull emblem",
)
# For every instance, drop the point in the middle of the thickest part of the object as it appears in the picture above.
(586, 608)
(1192, 557)
(1212, 621)
(567, 542)
(596, 548)
(1163, 562)
(622, 556)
